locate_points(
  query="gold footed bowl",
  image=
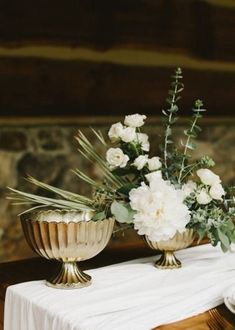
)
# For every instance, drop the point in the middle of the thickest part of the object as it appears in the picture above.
(69, 237)
(180, 241)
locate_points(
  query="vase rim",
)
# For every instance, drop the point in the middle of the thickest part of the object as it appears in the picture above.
(41, 216)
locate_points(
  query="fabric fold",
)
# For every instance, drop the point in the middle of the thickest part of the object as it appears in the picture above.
(132, 295)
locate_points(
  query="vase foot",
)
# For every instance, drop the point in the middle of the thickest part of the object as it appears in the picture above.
(168, 261)
(69, 277)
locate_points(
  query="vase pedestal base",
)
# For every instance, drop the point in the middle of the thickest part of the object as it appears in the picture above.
(168, 261)
(69, 277)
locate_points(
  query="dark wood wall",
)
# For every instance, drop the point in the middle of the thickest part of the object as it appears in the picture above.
(106, 57)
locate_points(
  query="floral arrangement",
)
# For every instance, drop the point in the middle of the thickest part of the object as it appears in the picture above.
(158, 195)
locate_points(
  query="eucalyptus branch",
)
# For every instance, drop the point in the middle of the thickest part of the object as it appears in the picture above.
(171, 99)
(191, 133)
(204, 162)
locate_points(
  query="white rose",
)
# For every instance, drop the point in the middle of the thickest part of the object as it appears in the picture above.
(115, 132)
(143, 140)
(188, 188)
(135, 120)
(128, 134)
(154, 163)
(208, 177)
(217, 191)
(140, 162)
(116, 158)
(203, 197)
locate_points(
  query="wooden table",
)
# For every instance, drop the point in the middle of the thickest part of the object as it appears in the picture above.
(39, 268)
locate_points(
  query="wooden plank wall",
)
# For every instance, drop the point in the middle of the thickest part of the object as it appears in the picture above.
(109, 57)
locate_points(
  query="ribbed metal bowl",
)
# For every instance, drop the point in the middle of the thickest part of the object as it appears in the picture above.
(53, 235)
(177, 242)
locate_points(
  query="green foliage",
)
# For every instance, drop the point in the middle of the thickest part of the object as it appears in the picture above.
(206, 162)
(170, 113)
(215, 223)
(191, 133)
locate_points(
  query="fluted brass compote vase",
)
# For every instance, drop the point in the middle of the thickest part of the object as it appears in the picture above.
(180, 241)
(67, 236)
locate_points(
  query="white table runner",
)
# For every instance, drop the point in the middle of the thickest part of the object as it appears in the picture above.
(133, 295)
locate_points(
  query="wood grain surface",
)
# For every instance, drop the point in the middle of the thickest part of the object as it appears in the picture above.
(31, 86)
(201, 28)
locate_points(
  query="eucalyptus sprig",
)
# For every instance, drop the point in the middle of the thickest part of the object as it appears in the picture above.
(191, 134)
(215, 223)
(170, 114)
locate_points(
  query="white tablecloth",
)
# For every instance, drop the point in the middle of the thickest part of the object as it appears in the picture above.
(133, 295)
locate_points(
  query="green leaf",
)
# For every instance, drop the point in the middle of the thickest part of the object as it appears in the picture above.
(173, 120)
(223, 247)
(180, 90)
(198, 104)
(191, 146)
(168, 131)
(171, 92)
(121, 212)
(178, 98)
(230, 225)
(225, 243)
(233, 237)
(99, 216)
(186, 132)
(168, 100)
(124, 171)
(174, 108)
(201, 234)
(198, 128)
(164, 113)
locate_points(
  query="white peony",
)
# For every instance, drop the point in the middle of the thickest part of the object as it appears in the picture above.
(208, 177)
(153, 176)
(116, 158)
(188, 188)
(217, 191)
(115, 132)
(128, 134)
(135, 120)
(140, 162)
(203, 197)
(143, 140)
(154, 164)
(160, 211)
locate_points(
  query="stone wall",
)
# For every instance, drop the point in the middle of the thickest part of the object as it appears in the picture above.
(48, 152)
